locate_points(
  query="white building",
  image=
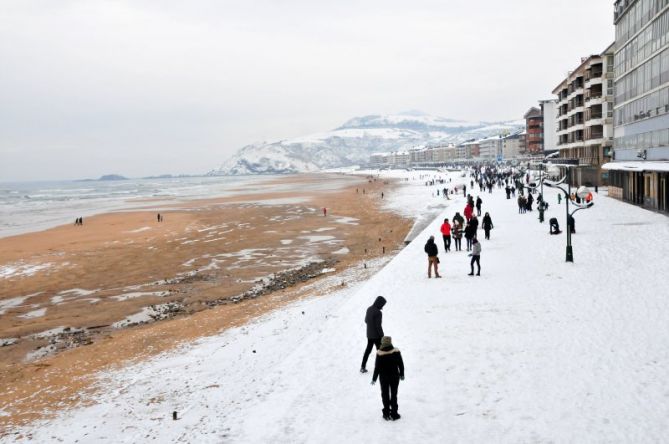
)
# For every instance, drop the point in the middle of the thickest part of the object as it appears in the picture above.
(491, 148)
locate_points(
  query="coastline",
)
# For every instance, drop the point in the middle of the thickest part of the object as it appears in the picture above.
(204, 297)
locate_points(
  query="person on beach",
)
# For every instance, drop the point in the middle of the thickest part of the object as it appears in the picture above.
(476, 257)
(432, 258)
(389, 369)
(374, 320)
(457, 235)
(479, 202)
(159, 219)
(381, 194)
(487, 225)
(325, 211)
(446, 233)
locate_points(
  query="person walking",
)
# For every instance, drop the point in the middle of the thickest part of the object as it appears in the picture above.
(476, 257)
(487, 225)
(457, 235)
(432, 257)
(468, 211)
(389, 369)
(374, 320)
(469, 235)
(325, 211)
(458, 218)
(479, 201)
(446, 233)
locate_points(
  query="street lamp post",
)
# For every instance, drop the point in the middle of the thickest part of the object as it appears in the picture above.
(582, 193)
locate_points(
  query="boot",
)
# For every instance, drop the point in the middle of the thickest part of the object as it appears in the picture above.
(479, 273)
(395, 416)
(386, 414)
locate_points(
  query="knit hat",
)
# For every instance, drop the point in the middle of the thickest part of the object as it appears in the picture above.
(386, 341)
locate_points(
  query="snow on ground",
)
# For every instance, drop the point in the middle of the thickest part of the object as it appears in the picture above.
(534, 350)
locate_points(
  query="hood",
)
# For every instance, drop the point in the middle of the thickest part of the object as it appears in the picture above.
(380, 302)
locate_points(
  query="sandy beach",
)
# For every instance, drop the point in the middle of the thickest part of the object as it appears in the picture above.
(75, 300)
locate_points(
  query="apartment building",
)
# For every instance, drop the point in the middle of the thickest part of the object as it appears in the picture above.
(549, 114)
(585, 118)
(513, 145)
(534, 127)
(490, 148)
(640, 170)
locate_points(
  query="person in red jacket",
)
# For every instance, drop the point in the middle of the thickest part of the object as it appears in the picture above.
(469, 210)
(446, 233)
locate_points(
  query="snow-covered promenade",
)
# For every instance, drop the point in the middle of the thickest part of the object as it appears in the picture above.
(533, 350)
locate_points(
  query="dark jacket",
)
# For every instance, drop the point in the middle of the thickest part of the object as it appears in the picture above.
(474, 223)
(431, 248)
(374, 317)
(479, 201)
(487, 223)
(389, 364)
(469, 231)
(459, 218)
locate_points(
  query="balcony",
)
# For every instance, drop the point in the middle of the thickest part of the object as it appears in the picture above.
(593, 81)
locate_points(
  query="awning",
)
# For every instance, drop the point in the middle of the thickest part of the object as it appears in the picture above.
(637, 166)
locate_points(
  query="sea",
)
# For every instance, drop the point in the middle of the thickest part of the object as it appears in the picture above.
(34, 206)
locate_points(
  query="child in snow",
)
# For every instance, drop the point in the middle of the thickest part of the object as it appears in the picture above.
(389, 368)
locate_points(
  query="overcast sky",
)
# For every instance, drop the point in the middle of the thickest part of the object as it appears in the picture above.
(168, 86)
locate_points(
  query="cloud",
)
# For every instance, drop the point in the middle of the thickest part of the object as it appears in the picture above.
(146, 87)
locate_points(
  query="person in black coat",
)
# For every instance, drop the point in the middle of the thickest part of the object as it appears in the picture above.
(389, 368)
(373, 319)
(470, 232)
(432, 258)
(487, 225)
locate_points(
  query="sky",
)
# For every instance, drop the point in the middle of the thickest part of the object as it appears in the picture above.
(149, 87)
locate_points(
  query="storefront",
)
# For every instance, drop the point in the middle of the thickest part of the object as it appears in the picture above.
(640, 183)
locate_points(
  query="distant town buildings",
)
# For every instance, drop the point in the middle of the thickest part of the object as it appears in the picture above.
(585, 118)
(639, 172)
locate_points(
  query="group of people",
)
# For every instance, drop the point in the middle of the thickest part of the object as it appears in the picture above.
(525, 203)
(467, 226)
(79, 221)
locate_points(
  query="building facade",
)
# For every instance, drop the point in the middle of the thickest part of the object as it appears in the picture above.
(490, 148)
(513, 145)
(549, 115)
(585, 118)
(640, 171)
(534, 127)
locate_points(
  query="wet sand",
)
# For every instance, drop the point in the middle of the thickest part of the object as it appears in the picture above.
(78, 300)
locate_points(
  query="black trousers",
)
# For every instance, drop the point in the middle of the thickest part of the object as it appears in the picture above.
(368, 350)
(389, 393)
(487, 233)
(469, 243)
(447, 243)
(458, 243)
(476, 259)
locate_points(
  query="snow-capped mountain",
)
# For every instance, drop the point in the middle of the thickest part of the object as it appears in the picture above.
(354, 141)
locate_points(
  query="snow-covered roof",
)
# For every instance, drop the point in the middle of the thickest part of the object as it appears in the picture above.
(637, 166)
